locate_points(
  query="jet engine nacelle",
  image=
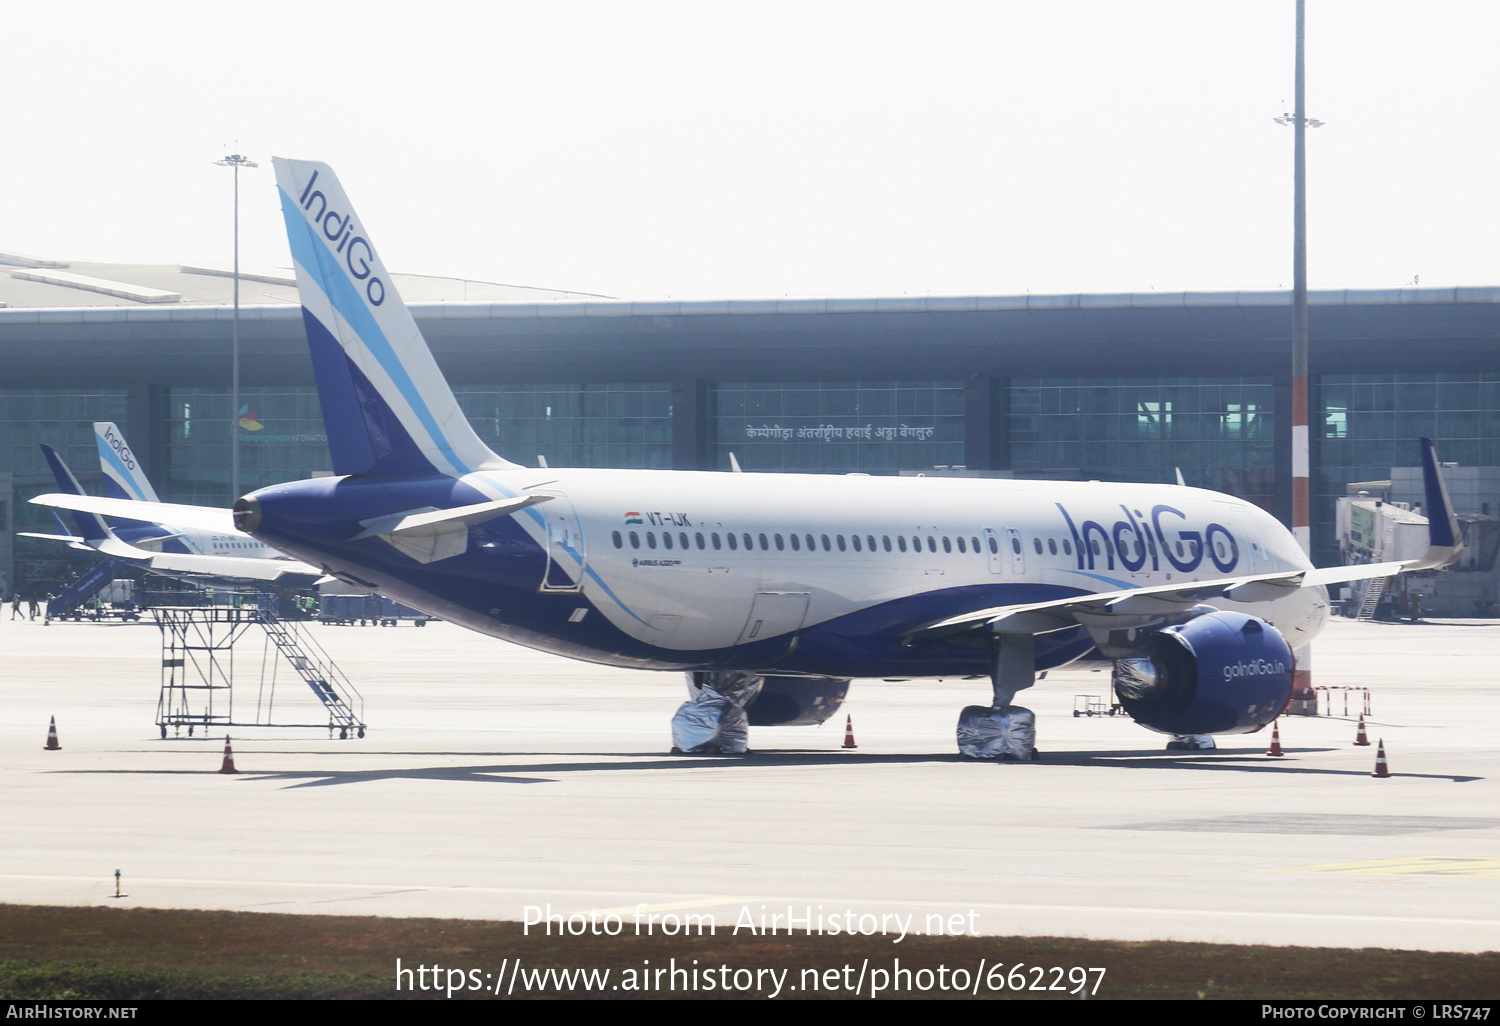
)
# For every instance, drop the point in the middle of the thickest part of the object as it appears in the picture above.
(1220, 673)
(797, 701)
(788, 701)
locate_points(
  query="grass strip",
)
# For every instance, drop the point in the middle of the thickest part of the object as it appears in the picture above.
(128, 954)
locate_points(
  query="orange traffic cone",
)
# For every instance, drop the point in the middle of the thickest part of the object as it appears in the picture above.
(849, 732)
(52, 745)
(1275, 748)
(1362, 739)
(1381, 769)
(228, 766)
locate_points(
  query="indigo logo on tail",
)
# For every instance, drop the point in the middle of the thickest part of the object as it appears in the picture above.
(121, 449)
(340, 232)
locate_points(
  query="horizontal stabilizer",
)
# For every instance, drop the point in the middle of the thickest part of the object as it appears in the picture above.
(428, 535)
(204, 518)
(70, 538)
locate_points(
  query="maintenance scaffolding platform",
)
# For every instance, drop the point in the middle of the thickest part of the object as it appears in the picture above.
(198, 671)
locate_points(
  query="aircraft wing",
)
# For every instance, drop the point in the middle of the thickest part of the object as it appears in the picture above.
(1106, 610)
(210, 566)
(204, 518)
(70, 538)
(232, 566)
(1098, 609)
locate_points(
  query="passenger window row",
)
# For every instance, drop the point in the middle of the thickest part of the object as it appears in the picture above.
(868, 543)
(1131, 548)
(798, 542)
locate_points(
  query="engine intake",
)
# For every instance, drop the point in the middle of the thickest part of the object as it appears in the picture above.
(784, 701)
(1220, 673)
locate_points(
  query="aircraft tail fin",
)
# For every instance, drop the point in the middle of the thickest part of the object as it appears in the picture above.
(123, 476)
(1445, 540)
(91, 527)
(59, 522)
(386, 406)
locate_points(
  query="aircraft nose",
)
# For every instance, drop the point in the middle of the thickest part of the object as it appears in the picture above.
(247, 515)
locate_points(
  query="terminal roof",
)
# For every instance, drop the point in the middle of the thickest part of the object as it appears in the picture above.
(38, 283)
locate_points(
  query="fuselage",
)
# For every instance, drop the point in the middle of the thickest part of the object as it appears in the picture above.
(803, 574)
(169, 538)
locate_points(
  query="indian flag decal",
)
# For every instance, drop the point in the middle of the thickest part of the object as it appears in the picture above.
(633, 518)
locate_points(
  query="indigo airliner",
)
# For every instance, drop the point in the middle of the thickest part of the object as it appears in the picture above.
(773, 591)
(146, 533)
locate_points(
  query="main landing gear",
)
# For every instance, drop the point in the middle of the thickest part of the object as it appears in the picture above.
(714, 722)
(1003, 731)
(1191, 743)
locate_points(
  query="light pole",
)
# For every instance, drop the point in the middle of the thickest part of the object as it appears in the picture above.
(1301, 455)
(238, 161)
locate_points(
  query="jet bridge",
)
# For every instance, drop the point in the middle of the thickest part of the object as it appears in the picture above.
(199, 676)
(1383, 521)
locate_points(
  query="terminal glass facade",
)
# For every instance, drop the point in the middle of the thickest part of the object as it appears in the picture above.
(1219, 431)
(63, 419)
(1371, 423)
(873, 427)
(281, 439)
(611, 425)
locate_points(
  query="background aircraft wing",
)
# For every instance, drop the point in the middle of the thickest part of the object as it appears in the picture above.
(231, 566)
(209, 566)
(204, 518)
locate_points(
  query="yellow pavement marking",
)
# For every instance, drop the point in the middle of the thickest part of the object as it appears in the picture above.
(1414, 865)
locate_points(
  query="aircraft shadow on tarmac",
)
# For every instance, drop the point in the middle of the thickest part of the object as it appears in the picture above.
(631, 762)
(1227, 761)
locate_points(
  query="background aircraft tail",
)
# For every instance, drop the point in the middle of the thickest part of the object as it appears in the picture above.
(386, 406)
(123, 476)
(91, 526)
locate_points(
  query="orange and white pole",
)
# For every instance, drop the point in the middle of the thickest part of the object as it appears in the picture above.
(1301, 454)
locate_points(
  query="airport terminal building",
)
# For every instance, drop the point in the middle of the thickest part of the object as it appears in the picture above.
(1128, 387)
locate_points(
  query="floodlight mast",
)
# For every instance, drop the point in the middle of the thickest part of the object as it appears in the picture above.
(236, 161)
(1301, 454)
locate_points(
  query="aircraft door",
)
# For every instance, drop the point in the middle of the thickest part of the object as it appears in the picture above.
(1017, 551)
(566, 554)
(992, 543)
(774, 614)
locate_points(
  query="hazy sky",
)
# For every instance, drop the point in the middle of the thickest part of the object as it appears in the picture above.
(762, 149)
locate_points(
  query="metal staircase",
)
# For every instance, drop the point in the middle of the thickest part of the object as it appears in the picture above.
(198, 677)
(296, 644)
(1374, 588)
